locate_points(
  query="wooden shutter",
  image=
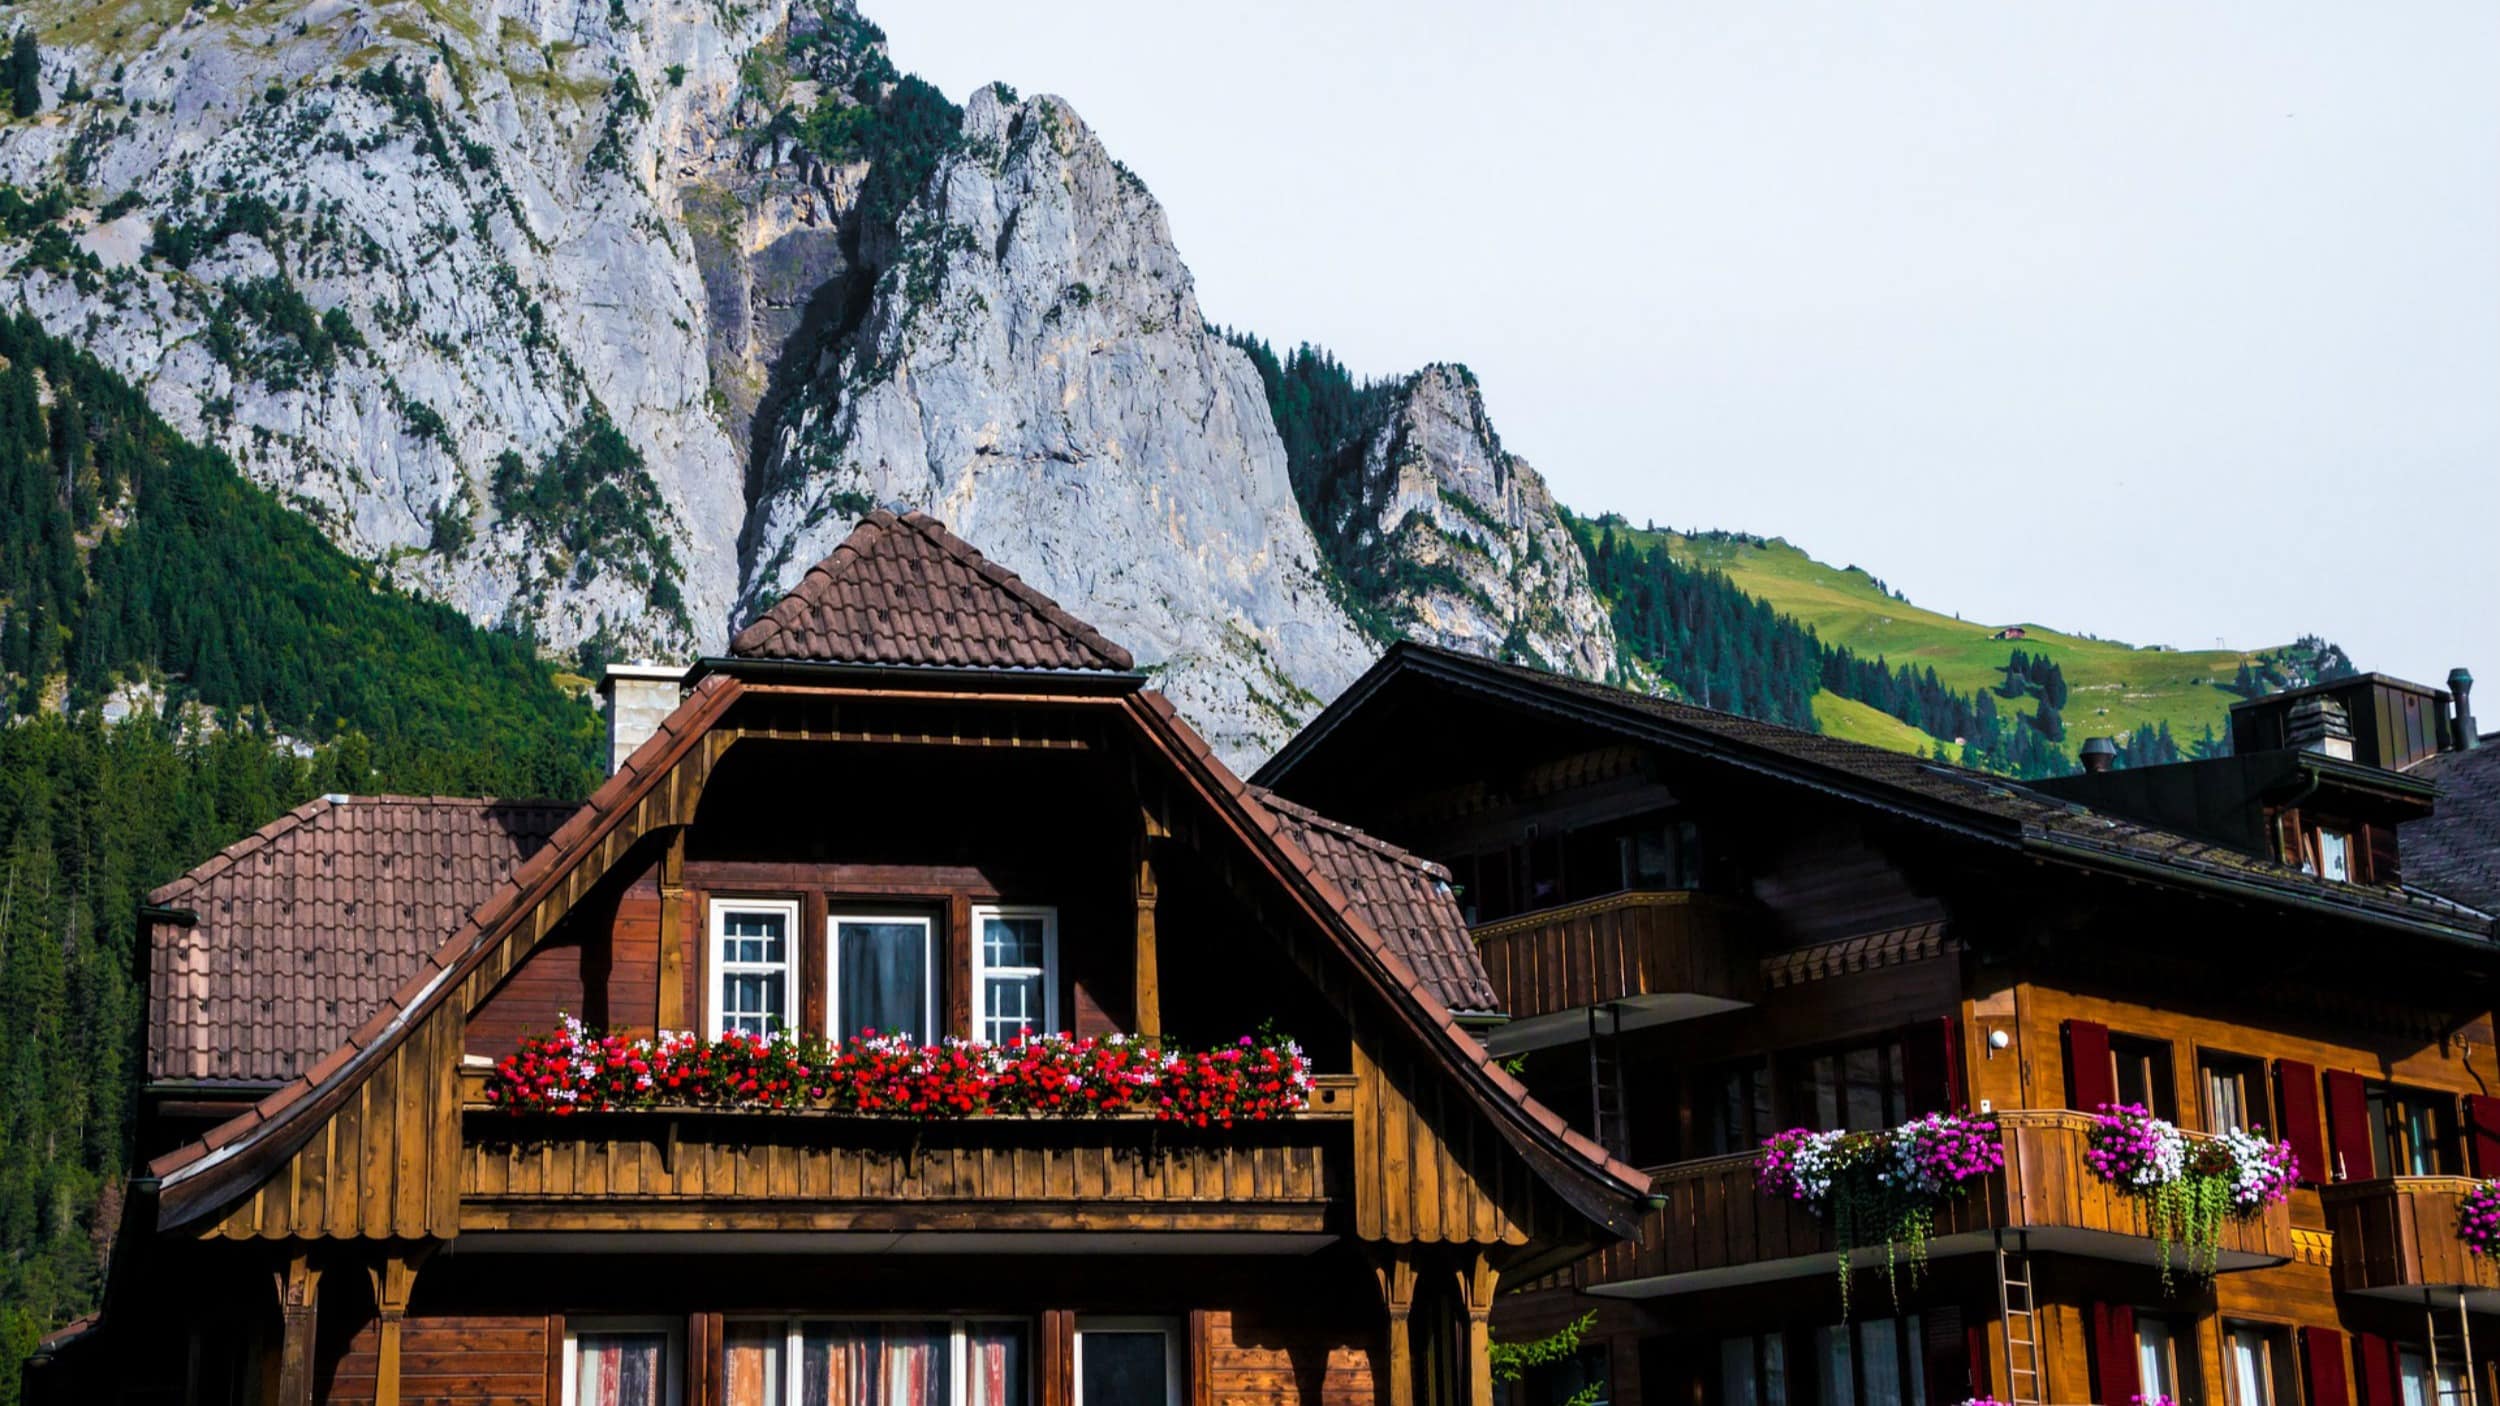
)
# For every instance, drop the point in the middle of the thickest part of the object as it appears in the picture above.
(2296, 1094)
(2322, 1367)
(2482, 1134)
(1932, 1063)
(2113, 1353)
(2348, 1121)
(2374, 1370)
(2090, 1079)
(1975, 1351)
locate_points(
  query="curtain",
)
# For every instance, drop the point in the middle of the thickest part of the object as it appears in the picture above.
(994, 1360)
(884, 979)
(874, 1364)
(751, 1364)
(619, 1369)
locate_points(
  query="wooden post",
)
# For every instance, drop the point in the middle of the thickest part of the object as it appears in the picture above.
(1057, 1357)
(299, 1288)
(1476, 1281)
(1396, 1268)
(393, 1279)
(672, 1007)
(1149, 985)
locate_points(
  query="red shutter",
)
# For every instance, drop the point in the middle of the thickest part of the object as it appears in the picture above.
(2296, 1093)
(2322, 1366)
(2374, 1370)
(2113, 1353)
(2482, 1134)
(1975, 1347)
(2348, 1120)
(2090, 1080)
(1932, 1063)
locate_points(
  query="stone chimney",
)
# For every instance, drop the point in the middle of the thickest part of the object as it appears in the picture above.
(2099, 754)
(2461, 734)
(2318, 723)
(637, 699)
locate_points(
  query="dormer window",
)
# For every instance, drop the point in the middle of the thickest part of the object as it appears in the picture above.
(751, 966)
(2334, 855)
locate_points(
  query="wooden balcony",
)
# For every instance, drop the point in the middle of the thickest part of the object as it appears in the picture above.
(2396, 1237)
(1648, 958)
(901, 1184)
(1715, 1230)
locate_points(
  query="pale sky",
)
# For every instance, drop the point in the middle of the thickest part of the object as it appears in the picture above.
(2170, 322)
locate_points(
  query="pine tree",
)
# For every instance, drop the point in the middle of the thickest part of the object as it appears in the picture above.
(25, 73)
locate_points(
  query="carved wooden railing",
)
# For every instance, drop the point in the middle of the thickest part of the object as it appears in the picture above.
(1617, 947)
(1713, 1218)
(807, 1170)
(2401, 1233)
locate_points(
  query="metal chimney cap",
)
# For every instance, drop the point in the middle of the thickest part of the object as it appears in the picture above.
(2099, 753)
(2460, 679)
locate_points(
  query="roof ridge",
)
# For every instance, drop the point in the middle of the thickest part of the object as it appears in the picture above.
(1397, 853)
(1007, 578)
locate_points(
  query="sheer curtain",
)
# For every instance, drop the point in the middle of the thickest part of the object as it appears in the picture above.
(875, 1364)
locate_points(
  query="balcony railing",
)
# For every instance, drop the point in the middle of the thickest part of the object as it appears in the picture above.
(798, 1170)
(2396, 1237)
(1652, 957)
(1714, 1229)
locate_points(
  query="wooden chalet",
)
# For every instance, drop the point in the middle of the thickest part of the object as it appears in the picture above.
(916, 796)
(1703, 929)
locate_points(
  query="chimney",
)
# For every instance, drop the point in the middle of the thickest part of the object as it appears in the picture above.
(2099, 754)
(637, 699)
(2318, 723)
(2462, 734)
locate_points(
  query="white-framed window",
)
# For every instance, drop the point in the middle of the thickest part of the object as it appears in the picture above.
(1128, 1361)
(751, 947)
(2418, 1385)
(1015, 964)
(931, 1361)
(881, 971)
(2157, 1358)
(621, 1362)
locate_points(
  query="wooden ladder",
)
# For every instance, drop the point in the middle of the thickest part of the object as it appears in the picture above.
(2455, 1350)
(1607, 1122)
(2026, 1371)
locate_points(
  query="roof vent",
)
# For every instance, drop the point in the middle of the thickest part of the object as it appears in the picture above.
(336, 798)
(2319, 724)
(2461, 734)
(2099, 754)
(637, 699)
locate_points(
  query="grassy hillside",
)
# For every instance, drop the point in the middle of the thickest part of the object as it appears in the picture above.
(1859, 722)
(2114, 688)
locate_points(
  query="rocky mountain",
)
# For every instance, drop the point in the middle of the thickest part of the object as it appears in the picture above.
(602, 321)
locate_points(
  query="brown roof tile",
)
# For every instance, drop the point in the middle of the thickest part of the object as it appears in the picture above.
(307, 926)
(1407, 900)
(904, 590)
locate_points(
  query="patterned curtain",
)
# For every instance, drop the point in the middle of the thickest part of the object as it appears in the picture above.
(874, 1364)
(751, 1364)
(619, 1369)
(994, 1359)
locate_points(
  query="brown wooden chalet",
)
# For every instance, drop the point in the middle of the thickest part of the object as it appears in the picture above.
(916, 796)
(1705, 929)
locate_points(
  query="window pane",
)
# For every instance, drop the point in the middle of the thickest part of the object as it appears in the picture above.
(1879, 1357)
(2222, 1095)
(2152, 1350)
(994, 1360)
(2414, 1373)
(1863, 1069)
(874, 1364)
(1011, 942)
(753, 937)
(619, 1368)
(1736, 1376)
(1774, 1370)
(1009, 1005)
(1831, 1350)
(751, 1364)
(1123, 1368)
(2248, 1367)
(882, 979)
(752, 1002)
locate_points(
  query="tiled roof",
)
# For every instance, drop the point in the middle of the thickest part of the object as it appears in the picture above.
(1406, 899)
(1952, 795)
(904, 590)
(307, 925)
(2456, 852)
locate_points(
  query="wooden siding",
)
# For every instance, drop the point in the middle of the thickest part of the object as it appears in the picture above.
(1619, 946)
(453, 1360)
(2401, 1233)
(1714, 1218)
(670, 1169)
(378, 1167)
(1255, 1358)
(1426, 1168)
